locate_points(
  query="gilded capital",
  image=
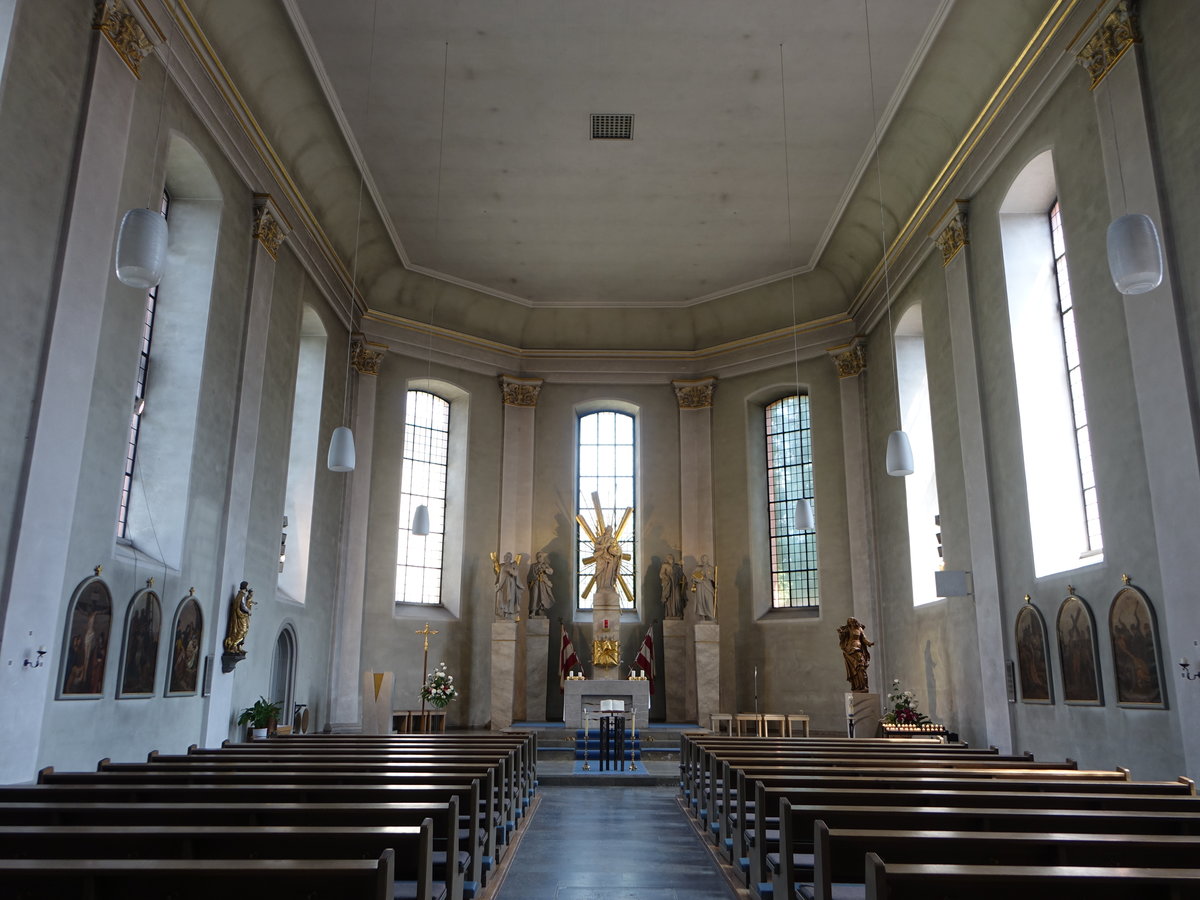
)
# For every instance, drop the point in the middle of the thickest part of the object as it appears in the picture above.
(850, 359)
(695, 393)
(953, 237)
(124, 33)
(270, 227)
(366, 356)
(520, 391)
(1116, 34)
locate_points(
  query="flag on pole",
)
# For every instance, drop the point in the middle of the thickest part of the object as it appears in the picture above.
(645, 656)
(567, 660)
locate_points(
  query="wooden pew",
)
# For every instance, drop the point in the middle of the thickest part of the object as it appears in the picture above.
(186, 879)
(411, 846)
(900, 882)
(839, 854)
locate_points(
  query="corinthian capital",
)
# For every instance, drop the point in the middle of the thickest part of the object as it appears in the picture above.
(695, 393)
(1117, 33)
(520, 391)
(124, 32)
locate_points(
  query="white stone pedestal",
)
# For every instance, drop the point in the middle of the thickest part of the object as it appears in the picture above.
(377, 702)
(862, 715)
(537, 658)
(708, 670)
(677, 675)
(577, 694)
(504, 666)
(606, 608)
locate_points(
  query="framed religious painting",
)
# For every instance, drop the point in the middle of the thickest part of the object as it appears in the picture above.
(1077, 653)
(139, 656)
(1033, 655)
(1137, 661)
(183, 665)
(85, 648)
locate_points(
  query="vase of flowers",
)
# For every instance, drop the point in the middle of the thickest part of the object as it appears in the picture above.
(902, 707)
(438, 689)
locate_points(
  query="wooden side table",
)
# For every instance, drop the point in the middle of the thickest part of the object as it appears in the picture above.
(717, 721)
(769, 719)
(400, 720)
(746, 719)
(793, 721)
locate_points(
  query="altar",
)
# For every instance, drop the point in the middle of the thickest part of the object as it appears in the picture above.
(579, 694)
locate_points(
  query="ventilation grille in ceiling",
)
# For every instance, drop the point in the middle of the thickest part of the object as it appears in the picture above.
(612, 127)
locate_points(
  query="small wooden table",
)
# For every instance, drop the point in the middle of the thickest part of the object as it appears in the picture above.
(769, 719)
(743, 719)
(717, 721)
(796, 719)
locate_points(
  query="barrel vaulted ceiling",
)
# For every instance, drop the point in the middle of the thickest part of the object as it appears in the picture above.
(483, 190)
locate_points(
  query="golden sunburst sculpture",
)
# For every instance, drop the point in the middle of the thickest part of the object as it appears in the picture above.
(606, 553)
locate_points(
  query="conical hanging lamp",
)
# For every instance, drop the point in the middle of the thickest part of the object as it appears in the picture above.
(803, 515)
(1135, 258)
(341, 456)
(899, 458)
(420, 523)
(141, 257)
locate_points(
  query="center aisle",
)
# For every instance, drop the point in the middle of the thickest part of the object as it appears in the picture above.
(611, 843)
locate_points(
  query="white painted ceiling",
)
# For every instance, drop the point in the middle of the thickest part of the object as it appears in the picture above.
(695, 206)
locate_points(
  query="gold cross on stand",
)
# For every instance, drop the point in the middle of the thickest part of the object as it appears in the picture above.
(427, 631)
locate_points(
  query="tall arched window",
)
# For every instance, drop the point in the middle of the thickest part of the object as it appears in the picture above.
(423, 481)
(607, 466)
(1064, 516)
(794, 582)
(920, 488)
(303, 455)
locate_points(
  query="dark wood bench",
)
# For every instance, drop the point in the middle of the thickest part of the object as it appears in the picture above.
(839, 854)
(187, 879)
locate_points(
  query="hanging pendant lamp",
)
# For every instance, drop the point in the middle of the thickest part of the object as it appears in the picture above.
(899, 455)
(142, 248)
(803, 516)
(420, 523)
(1134, 254)
(341, 450)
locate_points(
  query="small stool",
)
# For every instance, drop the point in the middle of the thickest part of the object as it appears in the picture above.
(797, 719)
(435, 721)
(754, 719)
(769, 719)
(717, 720)
(400, 720)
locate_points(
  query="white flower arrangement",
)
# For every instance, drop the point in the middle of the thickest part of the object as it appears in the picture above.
(438, 689)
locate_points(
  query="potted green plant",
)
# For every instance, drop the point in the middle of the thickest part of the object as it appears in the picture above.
(259, 717)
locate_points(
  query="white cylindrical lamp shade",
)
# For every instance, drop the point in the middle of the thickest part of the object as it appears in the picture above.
(142, 248)
(804, 515)
(420, 522)
(1134, 254)
(899, 455)
(341, 450)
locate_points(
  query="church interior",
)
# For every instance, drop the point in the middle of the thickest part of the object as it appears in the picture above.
(446, 288)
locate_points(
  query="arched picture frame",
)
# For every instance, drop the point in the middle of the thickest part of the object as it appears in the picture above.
(1078, 655)
(139, 653)
(1033, 656)
(1137, 661)
(85, 648)
(183, 666)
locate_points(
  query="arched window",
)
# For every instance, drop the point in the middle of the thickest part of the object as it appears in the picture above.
(302, 456)
(1064, 515)
(423, 481)
(283, 673)
(920, 488)
(788, 426)
(607, 464)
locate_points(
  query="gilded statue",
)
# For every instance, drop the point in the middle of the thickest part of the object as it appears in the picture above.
(239, 619)
(856, 653)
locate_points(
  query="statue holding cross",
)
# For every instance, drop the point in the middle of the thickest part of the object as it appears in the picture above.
(606, 553)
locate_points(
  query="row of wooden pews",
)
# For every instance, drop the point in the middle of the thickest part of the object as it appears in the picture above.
(417, 817)
(835, 818)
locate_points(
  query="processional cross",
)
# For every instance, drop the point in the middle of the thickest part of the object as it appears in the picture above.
(427, 631)
(604, 538)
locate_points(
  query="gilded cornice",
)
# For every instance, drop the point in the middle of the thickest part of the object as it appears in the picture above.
(366, 356)
(124, 33)
(520, 391)
(1116, 34)
(269, 225)
(849, 361)
(695, 393)
(953, 237)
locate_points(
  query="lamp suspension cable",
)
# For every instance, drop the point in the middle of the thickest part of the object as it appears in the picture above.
(342, 457)
(141, 256)
(899, 458)
(802, 513)
(420, 523)
(1134, 250)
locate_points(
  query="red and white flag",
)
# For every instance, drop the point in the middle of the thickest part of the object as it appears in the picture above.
(567, 660)
(645, 657)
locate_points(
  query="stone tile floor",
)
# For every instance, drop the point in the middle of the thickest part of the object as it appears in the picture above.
(611, 843)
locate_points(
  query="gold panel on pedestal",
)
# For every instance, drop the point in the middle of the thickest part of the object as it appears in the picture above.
(606, 654)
